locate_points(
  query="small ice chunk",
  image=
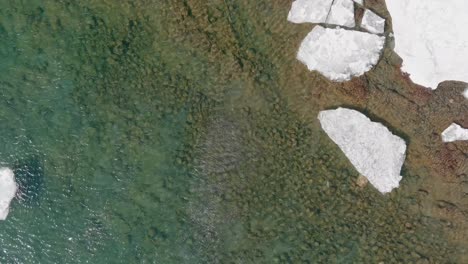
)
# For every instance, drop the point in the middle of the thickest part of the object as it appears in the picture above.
(361, 2)
(340, 54)
(454, 133)
(465, 93)
(311, 11)
(373, 150)
(342, 13)
(8, 188)
(373, 23)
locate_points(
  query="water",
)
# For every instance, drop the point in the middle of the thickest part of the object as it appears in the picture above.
(159, 132)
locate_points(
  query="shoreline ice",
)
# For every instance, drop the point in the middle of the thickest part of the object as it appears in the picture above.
(430, 37)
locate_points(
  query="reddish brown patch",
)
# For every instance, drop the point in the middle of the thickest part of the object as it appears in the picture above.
(404, 76)
(448, 160)
(417, 92)
(356, 89)
(358, 14)
(463, 121)
(420, 93)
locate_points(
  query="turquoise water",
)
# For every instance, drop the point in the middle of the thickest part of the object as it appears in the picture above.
(103, 170)
(157, 132)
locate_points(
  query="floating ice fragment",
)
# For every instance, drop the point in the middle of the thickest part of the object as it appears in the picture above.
(373, 23)
(8, 188)
(340, 54)
(373, 150)
(342, 13)
(361, 2)
(465, 93)
(431, 38)
(454, 133)
(312, 11)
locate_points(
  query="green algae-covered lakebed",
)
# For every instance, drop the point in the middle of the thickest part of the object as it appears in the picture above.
(185, 131)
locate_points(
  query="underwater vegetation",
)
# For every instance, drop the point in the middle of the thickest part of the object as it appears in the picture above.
(29, 174)
(186, 132)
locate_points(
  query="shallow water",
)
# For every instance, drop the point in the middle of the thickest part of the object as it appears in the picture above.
(157, 132)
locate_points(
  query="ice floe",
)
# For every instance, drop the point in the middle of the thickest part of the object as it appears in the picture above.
(309, 11)
(373, 22)
(454, 133)
(340, 54)
(342, 13)
(337, 53)
(431, 38)
(338, 12)
(373, 150)
(8, 188)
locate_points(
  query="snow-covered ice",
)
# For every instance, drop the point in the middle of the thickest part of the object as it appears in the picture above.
(340, 54)
(8, 188)
(311, 11)
(337, 53)
(454, 133)
(342, 13)
(373, 150)
(431, 38)
(373, 22)
(338, 12)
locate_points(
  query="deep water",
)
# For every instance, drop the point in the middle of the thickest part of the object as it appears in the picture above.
(156, 131)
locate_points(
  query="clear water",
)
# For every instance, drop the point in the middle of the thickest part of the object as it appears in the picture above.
(157, 132)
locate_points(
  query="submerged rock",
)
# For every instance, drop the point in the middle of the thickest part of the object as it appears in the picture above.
(8, 188)
(454, 133)
(362, 181)
(340, 54)
(373, 150)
